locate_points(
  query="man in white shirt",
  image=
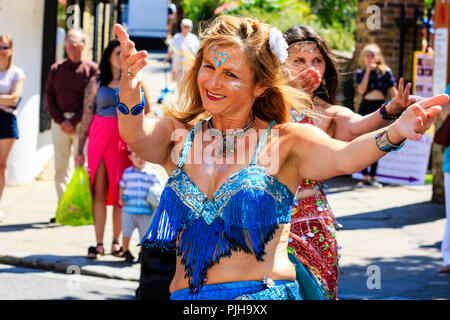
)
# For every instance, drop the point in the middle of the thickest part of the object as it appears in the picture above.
(183, 43)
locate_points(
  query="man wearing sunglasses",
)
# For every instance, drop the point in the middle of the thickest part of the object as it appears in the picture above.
(64, 96)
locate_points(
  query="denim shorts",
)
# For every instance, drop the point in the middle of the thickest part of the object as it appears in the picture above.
(8, 125)
(243, 290)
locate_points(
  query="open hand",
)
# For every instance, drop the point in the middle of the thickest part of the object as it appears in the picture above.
(308, 79)
(132, 63)
(417, 119)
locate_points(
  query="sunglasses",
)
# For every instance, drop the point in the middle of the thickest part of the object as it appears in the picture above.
(4, 47)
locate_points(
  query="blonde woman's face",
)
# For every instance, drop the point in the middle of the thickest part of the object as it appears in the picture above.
(370, 57)
(5, 49)
(225, 81)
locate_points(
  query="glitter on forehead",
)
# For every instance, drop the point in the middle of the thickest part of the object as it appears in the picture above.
(220, 57)
(305, 46)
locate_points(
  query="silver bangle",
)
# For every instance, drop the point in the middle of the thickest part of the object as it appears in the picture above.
(385, 145)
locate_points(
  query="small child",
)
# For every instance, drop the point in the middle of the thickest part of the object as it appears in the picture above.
(136, 211)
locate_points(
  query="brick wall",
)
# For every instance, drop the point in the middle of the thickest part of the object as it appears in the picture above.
(388, 37)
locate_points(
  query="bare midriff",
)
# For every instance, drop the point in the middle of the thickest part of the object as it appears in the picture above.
(241, 266)
(375, 95)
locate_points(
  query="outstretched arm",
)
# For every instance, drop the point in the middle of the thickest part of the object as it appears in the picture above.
(350, 125)
(150, 137)
(338, 157)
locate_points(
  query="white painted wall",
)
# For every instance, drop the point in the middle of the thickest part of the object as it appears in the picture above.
(23, 20)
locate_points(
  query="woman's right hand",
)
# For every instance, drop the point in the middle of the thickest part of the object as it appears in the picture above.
(132, 63)
(79, 160)
(371, 65)
(307, 80)
(417, 119)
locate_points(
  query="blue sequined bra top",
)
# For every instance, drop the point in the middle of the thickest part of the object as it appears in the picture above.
(244, 214)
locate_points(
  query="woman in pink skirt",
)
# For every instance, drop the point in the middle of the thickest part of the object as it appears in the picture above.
(106, 152)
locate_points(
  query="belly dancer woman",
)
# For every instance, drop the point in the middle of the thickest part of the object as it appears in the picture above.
(312, 67)
(235, 160)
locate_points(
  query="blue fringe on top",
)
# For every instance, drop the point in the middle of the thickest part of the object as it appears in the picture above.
(244, 215)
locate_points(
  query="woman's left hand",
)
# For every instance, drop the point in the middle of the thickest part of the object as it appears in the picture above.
(402, 100)
(417, 119)
(132, 63)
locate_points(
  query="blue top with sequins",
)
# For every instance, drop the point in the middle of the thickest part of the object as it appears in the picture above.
(244, 214)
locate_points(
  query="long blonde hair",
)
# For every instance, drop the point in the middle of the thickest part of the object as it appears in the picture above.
(382, 66)
(8, 39)
(252, 36)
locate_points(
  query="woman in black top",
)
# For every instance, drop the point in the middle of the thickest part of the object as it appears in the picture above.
(375, 83)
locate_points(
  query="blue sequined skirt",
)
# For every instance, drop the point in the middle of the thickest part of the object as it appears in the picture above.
(242, 290)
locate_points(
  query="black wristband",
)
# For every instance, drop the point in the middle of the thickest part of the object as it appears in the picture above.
(387, 116)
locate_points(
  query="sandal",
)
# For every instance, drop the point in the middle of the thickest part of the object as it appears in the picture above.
(94, 252)
(116, 253)
(128, 256)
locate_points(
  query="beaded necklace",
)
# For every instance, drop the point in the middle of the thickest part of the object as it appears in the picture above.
(228, 137)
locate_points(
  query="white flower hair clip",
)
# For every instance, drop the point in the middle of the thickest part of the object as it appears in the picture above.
(278, 44)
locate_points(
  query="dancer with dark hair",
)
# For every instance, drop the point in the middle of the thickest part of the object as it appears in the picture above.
(312, 67)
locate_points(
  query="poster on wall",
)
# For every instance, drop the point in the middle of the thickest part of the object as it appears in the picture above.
(423, 74)
(440, 61)
(407, 166)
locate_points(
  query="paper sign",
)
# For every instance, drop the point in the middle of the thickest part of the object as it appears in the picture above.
(423, 74)
(440, 61)
(407, 166)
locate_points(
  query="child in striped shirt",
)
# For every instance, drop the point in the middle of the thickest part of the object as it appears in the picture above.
(136, 211)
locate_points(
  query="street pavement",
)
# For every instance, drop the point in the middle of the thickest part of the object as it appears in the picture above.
(18, 283)
(390, 241)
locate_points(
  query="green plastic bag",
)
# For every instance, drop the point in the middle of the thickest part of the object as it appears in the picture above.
(75, 206)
